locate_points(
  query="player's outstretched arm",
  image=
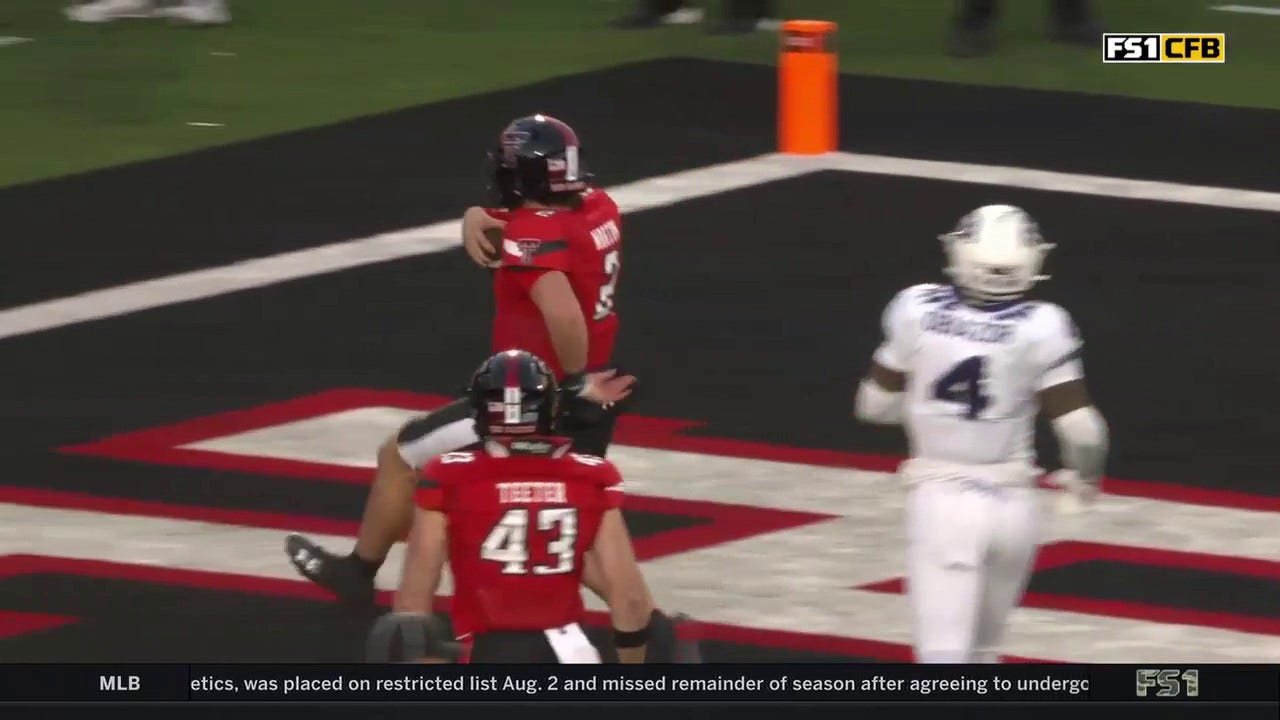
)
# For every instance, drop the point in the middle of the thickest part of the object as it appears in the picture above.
(562, 313)
(1082, 435)
(424, 558)
(879, 396)
(630, 605)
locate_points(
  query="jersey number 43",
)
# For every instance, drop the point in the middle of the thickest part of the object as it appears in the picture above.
(508, 541)
(964, 384)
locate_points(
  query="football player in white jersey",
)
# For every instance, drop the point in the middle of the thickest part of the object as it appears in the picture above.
(964, 368)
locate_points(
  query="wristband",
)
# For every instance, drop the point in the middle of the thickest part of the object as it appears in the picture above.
(575, 383)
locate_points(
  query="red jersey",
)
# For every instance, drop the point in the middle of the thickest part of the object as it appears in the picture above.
(517, 529)
(586, 245)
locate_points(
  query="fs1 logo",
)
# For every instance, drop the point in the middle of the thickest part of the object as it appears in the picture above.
(1164, 48)
(1169, 682)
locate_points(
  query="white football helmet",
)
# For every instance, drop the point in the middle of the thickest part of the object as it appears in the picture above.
(995, 253)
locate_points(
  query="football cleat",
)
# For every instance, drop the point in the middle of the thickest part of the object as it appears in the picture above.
(339, 574)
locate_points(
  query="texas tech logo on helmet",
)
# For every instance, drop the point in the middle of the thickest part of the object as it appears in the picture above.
(512, 140)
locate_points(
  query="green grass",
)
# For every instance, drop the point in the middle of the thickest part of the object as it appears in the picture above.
(84, 97)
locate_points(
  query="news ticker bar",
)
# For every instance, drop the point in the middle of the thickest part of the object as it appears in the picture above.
(597, 683)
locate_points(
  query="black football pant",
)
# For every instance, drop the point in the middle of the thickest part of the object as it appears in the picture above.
(510, 648)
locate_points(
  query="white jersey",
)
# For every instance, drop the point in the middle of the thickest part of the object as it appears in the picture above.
(973, 373)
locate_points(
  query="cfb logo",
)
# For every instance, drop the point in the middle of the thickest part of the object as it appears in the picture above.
(1164, 47)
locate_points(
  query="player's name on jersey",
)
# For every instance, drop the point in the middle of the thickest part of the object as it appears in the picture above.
(942, 322)
(532, 492)
(621, 683)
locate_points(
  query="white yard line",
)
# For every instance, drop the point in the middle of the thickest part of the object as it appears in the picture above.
(634, 197)
(261, 272)
(1028, 178)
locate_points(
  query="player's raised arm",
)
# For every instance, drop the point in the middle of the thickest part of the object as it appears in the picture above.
(630, 604)
(1064, 401)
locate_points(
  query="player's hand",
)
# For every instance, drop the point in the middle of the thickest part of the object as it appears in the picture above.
(1077, 492)
(475, 223)
(607, 387)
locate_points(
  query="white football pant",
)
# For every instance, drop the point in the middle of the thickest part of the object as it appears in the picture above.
(971, 539)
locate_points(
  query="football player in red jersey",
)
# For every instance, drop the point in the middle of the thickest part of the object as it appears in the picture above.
(554, 289)
(554, 292)
(514, 520)
(557, 274)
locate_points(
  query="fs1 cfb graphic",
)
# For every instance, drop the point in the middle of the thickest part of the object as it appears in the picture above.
(1164, 48)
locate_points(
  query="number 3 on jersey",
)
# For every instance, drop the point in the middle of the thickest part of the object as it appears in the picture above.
(508, 541)
(612, 265)
(963, 384)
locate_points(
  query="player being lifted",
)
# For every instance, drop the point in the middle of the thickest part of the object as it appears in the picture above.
(514, 519)
(553, 291)
(964, 368)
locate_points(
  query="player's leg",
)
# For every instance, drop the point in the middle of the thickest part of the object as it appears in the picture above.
(651, 13)
(1071, 21)
(1016, 526)
(944, 575)
(388, 512)
(971, 34)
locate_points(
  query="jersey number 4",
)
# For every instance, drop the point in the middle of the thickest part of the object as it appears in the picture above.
(963, 384)
(612, 265)
(508, 541)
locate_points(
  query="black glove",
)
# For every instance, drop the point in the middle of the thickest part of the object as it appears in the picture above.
(575, 410)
